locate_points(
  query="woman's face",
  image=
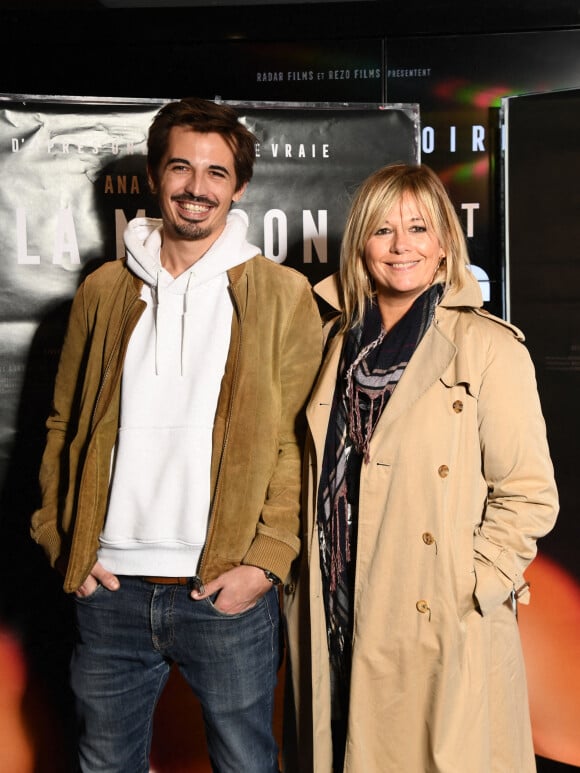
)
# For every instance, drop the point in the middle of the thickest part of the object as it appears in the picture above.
(403, 254)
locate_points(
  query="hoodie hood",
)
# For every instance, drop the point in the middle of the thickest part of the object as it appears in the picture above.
(143, 238)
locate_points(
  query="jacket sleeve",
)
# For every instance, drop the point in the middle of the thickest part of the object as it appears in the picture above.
(46, 526)
(522, 502)
(277, 543)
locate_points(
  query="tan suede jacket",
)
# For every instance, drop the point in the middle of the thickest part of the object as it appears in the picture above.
(275, 351)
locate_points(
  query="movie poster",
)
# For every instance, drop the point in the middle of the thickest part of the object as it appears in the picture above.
(458, 81)
(72, 173)
(542, 226)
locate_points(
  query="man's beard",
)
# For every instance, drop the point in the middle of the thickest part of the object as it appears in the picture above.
(192, 231)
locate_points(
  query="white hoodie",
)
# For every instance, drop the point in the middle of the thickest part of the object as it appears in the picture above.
(160, 474)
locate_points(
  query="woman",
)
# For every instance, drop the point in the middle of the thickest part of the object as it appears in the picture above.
(428, 483)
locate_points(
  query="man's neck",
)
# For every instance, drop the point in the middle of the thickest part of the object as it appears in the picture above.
(179, 255)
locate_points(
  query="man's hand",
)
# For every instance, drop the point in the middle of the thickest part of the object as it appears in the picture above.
(238, 589)
(98, 576)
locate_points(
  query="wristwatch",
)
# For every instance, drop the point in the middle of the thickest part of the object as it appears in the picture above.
(273, 578)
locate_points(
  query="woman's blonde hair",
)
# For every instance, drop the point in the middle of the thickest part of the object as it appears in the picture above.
(376, 197)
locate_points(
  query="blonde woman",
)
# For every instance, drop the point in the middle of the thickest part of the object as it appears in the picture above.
(429, 481)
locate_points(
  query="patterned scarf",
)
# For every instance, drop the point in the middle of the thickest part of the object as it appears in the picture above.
(371, 366)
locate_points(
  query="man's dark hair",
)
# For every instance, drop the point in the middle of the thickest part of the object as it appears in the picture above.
(202, 115)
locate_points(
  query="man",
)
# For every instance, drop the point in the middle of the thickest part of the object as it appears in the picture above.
(171, 474)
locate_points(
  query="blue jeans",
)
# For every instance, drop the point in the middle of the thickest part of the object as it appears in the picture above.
(126, 642)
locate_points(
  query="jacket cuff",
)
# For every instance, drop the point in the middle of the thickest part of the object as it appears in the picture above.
(272, 555)
(47, 536)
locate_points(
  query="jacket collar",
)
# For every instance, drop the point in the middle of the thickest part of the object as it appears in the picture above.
(238, 278)
(434, 357)
(235, 273)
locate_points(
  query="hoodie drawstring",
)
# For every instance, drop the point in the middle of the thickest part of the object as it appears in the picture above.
(158, 316)
(161, 312)
(185, 326)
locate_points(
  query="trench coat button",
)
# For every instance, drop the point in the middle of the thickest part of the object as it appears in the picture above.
(290, 588)
(422, 606)
(428, 538)
(443, 471)
(458, 406)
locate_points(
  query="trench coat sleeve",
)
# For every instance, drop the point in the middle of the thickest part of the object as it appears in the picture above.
(522, 502)
(45, 529)
(276, 543)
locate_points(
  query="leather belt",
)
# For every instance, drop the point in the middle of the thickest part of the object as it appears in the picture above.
(167, 580)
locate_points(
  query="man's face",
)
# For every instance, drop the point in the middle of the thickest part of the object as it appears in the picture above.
(197, 184)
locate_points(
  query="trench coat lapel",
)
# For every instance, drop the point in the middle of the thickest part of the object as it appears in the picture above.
(432, 359)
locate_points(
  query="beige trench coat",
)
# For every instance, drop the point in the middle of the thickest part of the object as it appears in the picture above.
(458, 489)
